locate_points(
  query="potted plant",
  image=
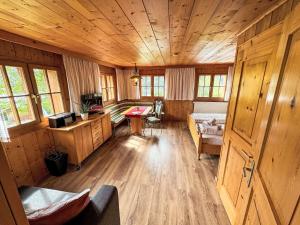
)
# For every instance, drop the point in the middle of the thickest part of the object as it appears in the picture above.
(84, 111)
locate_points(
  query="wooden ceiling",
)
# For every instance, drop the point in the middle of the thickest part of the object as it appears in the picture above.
(148, 32)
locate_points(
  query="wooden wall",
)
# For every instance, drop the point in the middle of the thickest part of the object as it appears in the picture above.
(178, 110)
(11, 208)
(267, 21)
(20, 53)
(199, 68)
(26, 151)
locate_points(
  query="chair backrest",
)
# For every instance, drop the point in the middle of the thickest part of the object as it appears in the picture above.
(158, 108)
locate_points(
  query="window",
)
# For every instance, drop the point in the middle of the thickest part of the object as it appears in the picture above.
(15, 101)
(219, 86)
(152, 86)
(146, 86)
(204, 86)
(211, 87)
(48, 91)
(159, 86)
(108, 87)
(27, 98)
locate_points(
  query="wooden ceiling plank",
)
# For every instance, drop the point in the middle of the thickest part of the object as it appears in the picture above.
(116, 16)
(79, 24)
(224, 55)
(203, 11)
(21, 40)
(234, 16)
(149, 32)
(216, 25)
(180, 13)
(24, 23)
(159, 20)
(12, 24)
(29, 15)
(87, 9)
(136, 13)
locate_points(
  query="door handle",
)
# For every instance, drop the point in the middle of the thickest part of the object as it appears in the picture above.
(250, 169)
(35, 97)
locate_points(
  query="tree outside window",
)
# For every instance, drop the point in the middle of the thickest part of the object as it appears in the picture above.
(211, 87)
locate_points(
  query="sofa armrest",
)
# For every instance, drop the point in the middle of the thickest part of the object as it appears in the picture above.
(102, 210)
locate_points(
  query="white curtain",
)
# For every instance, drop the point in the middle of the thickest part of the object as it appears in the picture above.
(4, 136)
(179, 83)
(121, 85)
(126, 87)
(83, 78)
(229, 83)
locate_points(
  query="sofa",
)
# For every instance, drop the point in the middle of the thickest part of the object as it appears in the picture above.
(116, 110)
(103, 208)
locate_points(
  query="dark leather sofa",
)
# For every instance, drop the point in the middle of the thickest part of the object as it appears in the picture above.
(103, 208)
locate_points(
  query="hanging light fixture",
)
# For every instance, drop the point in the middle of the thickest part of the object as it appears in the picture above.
(135, 76)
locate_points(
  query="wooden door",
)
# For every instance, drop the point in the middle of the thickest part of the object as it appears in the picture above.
(259, 180)
(250, 85)
(277, 179)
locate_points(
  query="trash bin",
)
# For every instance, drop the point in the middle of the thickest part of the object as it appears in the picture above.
(57, 163)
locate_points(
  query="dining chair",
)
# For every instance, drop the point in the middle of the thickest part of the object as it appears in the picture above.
(155, 118)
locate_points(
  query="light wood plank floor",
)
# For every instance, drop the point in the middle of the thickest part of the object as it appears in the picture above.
(159, 178)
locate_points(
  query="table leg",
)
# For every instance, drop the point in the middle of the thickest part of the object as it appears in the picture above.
(136, 124)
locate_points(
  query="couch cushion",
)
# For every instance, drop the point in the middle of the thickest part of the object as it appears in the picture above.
(44, 206)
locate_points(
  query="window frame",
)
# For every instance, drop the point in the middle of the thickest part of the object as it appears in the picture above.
(35, 89)
(108, 101)
(155, 96)
(152, 87)
(28, 83)
(210, 98)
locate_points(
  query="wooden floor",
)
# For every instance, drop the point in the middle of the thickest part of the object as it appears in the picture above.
(159, 178)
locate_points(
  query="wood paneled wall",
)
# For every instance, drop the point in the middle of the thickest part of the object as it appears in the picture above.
(15, 52)
(213, 68)
(25, 155)
(178, 110)
(26, 150)
(200, 68)
(11, 208)
(267, 21)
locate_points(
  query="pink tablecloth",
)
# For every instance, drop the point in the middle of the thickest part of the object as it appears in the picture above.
(136, 111)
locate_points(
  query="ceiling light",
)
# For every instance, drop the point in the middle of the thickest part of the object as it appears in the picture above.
(135, 76)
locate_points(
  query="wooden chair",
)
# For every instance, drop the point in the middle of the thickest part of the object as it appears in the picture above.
(155, 118)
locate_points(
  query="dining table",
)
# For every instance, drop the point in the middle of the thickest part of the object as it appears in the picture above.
(136, 115)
